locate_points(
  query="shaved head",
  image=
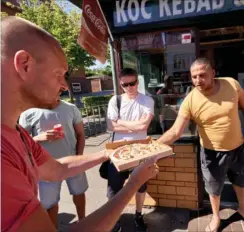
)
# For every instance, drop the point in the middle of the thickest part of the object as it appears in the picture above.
(20, 34)
(202, 74)
(33, 64)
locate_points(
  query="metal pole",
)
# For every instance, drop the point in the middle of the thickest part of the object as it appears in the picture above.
(114, 77)
(111, 40)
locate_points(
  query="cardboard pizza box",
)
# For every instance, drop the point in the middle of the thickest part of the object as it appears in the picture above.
(122, 165)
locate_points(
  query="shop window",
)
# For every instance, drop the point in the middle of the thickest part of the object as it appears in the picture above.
(162, 60)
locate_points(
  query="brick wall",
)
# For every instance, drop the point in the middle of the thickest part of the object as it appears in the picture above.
(96, 85)
(176, 184)
(85, 84)
(107, 84)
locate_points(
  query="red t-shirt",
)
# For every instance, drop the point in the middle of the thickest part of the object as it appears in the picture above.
(19, 177)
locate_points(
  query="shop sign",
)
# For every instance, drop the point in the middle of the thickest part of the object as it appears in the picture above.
(186, 38)
(133, 12)
(144, 41)
(93, 35)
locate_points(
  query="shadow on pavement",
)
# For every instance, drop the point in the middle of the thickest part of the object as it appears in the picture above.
(64, 220)
(160, 220)
(98, 140)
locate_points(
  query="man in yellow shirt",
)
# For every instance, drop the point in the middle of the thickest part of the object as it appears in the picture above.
(213, 105)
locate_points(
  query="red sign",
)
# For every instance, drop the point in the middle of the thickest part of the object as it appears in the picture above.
(94, 32)
(186, 38)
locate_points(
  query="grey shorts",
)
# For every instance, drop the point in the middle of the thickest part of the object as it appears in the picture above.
(49, 192)
(216, 165)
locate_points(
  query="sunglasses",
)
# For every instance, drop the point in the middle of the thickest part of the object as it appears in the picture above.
(124, 85)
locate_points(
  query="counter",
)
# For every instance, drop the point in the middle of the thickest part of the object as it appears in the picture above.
(179, 182)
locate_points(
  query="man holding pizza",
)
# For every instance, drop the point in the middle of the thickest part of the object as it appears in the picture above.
(129, 122)
(213, 104)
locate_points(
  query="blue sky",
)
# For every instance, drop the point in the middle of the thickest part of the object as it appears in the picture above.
(67, 6)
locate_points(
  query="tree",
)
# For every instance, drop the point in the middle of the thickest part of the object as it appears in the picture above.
(64, 27)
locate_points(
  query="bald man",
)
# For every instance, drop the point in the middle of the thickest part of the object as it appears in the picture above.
(33, 69)
(213, 105)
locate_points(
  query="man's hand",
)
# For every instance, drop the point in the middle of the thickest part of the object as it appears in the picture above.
(49, 135)
(145, 171)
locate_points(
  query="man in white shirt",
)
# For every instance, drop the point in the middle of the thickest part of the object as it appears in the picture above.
(130, 122)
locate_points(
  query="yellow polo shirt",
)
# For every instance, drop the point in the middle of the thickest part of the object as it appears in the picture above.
(217, 115)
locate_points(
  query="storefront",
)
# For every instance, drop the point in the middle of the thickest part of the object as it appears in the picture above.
(160, 39)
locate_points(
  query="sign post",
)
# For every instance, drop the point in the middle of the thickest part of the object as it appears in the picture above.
(95, 35)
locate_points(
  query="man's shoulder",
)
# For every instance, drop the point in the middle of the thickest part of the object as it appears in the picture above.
(30, 113)
(67, 104)
(113, 98)
(145, 98)
(192, 96)
(230, 80)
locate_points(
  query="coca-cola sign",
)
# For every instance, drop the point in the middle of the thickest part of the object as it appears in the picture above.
(97, 21)
(94, 32)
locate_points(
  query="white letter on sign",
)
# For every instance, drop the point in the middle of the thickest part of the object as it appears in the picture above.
(136, 8)
(164, 6)
(145, 15)
(203, 4)
(175, 10)
(218, 4)
(190, 6)
(120, 12)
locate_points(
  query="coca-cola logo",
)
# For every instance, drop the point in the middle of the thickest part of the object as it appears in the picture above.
(95, 20)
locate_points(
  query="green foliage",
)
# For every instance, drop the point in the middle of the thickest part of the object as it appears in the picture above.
(3, 14)
(90, 72)
(96, 100)
(64, 27)
(64, 98)
(99, 72)
(94, 111)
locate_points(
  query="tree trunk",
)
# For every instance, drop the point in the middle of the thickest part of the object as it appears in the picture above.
(69, 81)
(71, 96)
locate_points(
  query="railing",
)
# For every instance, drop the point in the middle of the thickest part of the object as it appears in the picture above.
(94, 119)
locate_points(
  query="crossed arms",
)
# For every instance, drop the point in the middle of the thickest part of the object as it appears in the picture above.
(130, 126)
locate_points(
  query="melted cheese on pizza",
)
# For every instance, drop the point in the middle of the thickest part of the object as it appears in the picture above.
(137, 150)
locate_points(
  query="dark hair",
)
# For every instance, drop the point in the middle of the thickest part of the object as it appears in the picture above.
(128, 72)
(202, 60)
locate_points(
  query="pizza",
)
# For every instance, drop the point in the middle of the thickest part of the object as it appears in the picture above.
(137, 150)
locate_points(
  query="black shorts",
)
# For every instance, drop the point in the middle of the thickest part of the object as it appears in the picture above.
(117, 179)
(216, 165)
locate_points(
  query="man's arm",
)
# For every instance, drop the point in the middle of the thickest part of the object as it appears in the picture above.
(105, 217)
(139, 125)
(80, 137)
(49, 135)
(61, 169)
(112, 117)
(175, 131)
(115, 127)
(241, 98)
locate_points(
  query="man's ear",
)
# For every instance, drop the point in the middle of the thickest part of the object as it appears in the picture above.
(22, 63)
(214, 72)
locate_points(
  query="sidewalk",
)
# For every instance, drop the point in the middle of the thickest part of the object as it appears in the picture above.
(158, 219)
